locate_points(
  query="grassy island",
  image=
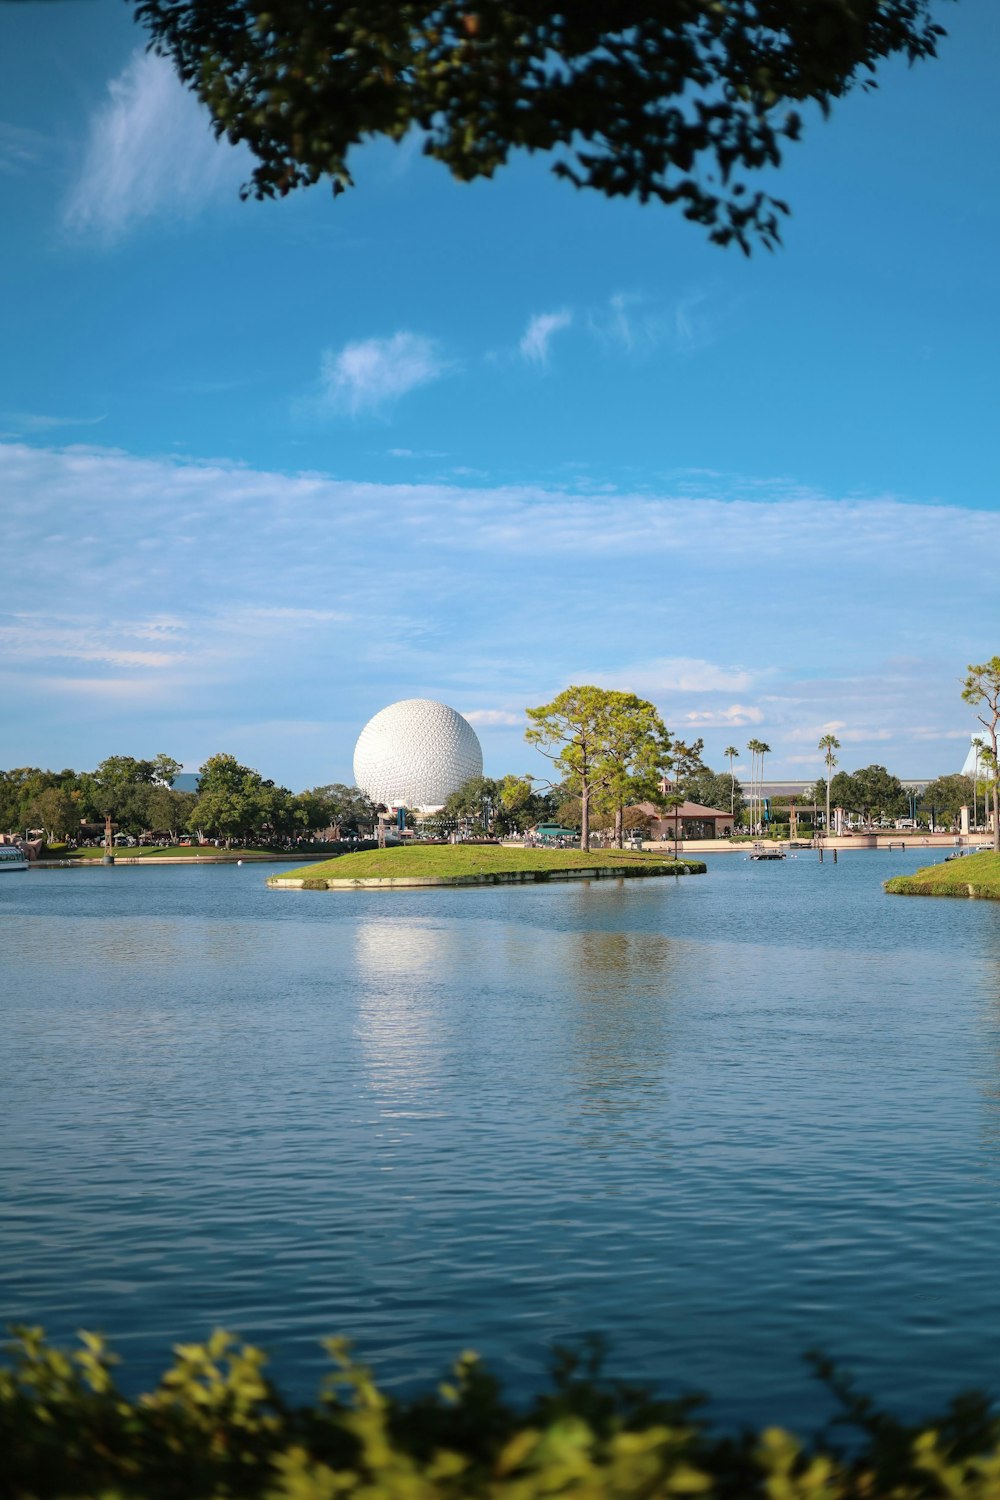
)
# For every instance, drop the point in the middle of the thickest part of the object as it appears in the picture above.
(976, 875)
(478, 864)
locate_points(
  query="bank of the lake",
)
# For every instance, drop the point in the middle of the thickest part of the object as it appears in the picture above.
(478, 864)
(973, 875)
(169, 854)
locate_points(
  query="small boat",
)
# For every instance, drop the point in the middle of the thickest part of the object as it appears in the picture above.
(12, 858)
(759, 852)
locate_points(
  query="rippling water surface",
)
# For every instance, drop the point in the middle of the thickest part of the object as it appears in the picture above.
(721, 1120)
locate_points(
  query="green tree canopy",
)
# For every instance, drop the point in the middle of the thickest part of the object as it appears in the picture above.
(881, 795)
(673, 100)
(844, 792)
(982, 689)
(504, 806)
(121, 788)
(713, 789)
(344, 808)
(872, 792)
(167, 811)
(110, 786)
(604, 744)
(234, 800)
(473, 805)
(947, 796)
(685, 763)
(166, 770)
(22, 786)
(55, 810)
(638, 753)
(519, 804)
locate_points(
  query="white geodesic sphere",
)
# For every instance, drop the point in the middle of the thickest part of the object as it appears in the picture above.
(415, 754)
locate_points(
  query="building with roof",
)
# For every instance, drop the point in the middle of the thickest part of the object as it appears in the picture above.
(691, 820)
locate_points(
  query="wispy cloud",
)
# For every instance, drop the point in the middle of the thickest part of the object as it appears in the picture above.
(150, 151)
(629, 322)
(493, 717)
(370, 374)
(421, 453)
(541, 330)
(230, 596)
(693, 329)
(20, 149)
(678, 674)
(733, 717)
(636, 324)
(30, 421)
(36, 637)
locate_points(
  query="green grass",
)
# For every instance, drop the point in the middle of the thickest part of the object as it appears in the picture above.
(981, 872)
(448, 860)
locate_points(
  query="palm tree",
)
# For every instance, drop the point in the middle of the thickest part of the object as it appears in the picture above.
(731, 753)
(828, 743)
(762, 750)
(755, 747)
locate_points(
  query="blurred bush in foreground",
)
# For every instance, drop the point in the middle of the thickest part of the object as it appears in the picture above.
(215, 1426)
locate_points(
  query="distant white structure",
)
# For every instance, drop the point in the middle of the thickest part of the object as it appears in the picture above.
(974, 760)
(415, 753)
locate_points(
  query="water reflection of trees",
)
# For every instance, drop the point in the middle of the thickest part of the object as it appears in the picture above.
(620, 1017)
(988, 939)
(563, 1020)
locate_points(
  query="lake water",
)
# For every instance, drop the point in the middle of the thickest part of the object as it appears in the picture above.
(721, 1120)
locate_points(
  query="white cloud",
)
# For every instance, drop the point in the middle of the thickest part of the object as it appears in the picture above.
(370, 374)
(31, 637)
(29, 421)
(226, 595)
(20, 149)
(678, 674)
(150, 151)
(866, 734)
(692, 328)
(629, 322)
(732, 717)
(493, 717)
(124, 690)
(812, 733)
(637, 325)
(538, 335)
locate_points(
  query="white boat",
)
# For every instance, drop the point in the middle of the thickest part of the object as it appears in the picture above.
(12, 858)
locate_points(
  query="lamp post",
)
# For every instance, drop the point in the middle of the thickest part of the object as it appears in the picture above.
(975, 784)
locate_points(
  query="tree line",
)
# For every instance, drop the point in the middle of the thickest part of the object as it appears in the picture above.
(873, 790)
(609, 750)
(233, 801)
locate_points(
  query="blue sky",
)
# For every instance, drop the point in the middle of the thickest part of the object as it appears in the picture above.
(266, 468)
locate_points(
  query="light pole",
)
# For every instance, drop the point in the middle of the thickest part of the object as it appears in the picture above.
(975, 784)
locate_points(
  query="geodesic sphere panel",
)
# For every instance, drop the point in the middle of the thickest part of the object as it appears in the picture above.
(415, 754)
